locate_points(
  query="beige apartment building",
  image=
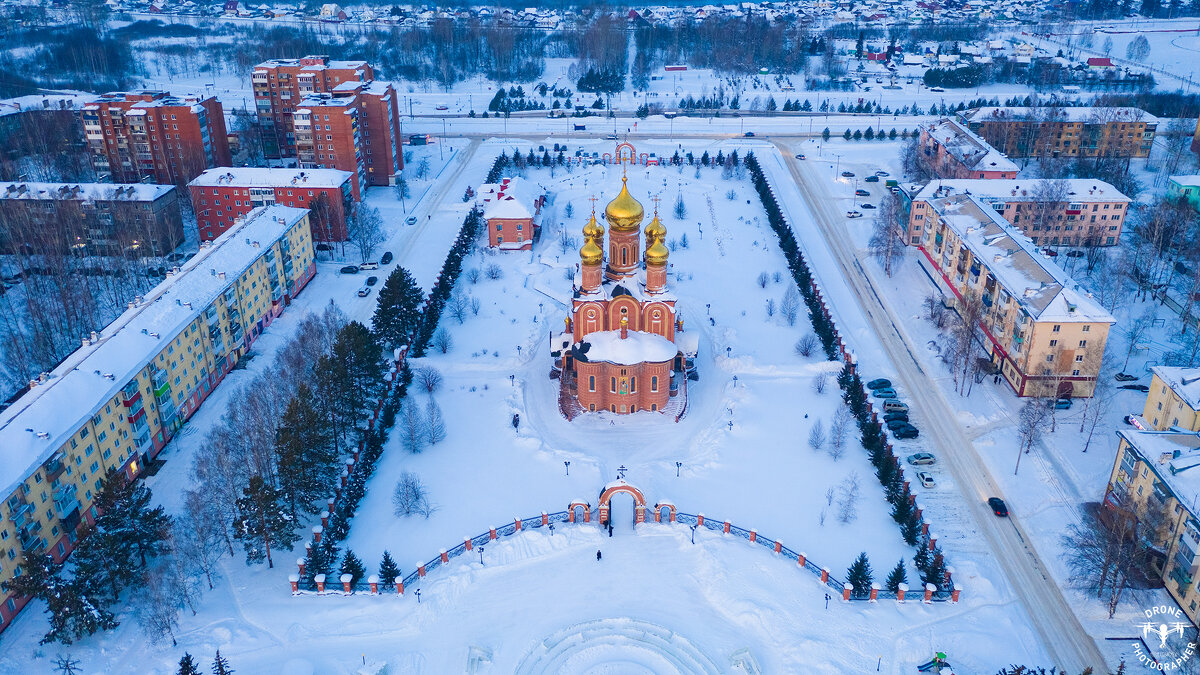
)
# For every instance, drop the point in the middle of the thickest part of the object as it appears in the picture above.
(1066, 212)
(1173, 401)
(117, 400)
(953, 151)
(1045, 334)
(1065, 132)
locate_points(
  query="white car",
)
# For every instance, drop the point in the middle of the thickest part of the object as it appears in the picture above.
(854, 214)
(920, 458)
(926, 479)
(364, 291)
(369, 266)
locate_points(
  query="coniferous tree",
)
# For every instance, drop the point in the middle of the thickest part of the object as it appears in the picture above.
(935, 572)
(398, 312)
(859, 576)
(317, 562)
(897, 576)
(264, 522)
(825, 134)
(187, 665)
(305, 453)
(221, 665)
(847, 135)
(360, 362)
(353, 566)
(74, 607)
(388, 569)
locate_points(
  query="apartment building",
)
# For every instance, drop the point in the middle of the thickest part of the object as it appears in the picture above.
(221, 196)
(280, 84)
(953, 151)
(354, 129)
(1065, 132)
(90, 218)
(1155, 481)
(1045, 334)
(1173, 401)
(118, 399)
(153, 136)
(1185, 188)
(1067, 212)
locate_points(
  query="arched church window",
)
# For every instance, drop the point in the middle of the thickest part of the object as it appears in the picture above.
(654, 383)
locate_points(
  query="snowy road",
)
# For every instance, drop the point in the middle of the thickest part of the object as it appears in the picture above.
(1065, 640)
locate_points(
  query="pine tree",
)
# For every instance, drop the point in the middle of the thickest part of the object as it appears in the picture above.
(859, 576)
(187, 665)
(935, 572)
(897, 576)
(846, 135)
(221, 665)
(317, 561)
(74, 607)
(264, 522)
(359, 360)
(398, 312)
(388, 569)
(353, 566)
(825, 134)
(858, 134)
(304, 448)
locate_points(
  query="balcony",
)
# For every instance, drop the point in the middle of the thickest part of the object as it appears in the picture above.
(65, 501)
(162, 390)
(1181, 577)
(54, 466)
(21, 514)
(30, 538)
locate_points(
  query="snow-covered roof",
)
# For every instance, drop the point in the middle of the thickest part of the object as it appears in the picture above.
(635, 347)
(38, 423)
(341, 65)
(1189, 180)
(1175, 457)
(1185, 382)
(510, 198)
(1020, 190)
(1068, 114)
(688, 343)
(1041, 287)
(84, 191)
(271, 177)
(969, 149)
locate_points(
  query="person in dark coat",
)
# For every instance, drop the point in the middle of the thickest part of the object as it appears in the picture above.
(597, 556)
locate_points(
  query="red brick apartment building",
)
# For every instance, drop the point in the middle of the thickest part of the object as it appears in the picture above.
(280, 84)
(221, 196)
(953, 151)
(153, 136)
(355, 129)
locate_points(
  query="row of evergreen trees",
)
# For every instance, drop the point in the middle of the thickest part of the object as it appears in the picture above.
(188, 665)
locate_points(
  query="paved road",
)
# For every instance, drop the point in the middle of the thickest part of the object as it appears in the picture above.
(1068, 644)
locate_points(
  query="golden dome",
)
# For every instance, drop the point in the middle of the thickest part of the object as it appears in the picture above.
(655, 230)
(590, 253)
(624, 213)
(656, 254)
(593, 229)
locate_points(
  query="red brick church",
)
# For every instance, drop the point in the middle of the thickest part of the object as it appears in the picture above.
(624, 349)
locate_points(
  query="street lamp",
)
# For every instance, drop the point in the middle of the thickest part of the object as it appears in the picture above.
(480, 555)
(418, 596)
(693, 534)
(677, 467)
(567, 464)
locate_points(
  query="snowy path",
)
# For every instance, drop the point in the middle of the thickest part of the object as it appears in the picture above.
(1062, 633)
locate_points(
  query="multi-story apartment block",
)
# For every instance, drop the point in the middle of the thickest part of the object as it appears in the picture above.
(1173, 401)
(117, 400)
(90, 218)
(1065, 132)
(151, 135)
(221, 196)
(1185, 188)
(1068, 212)
(953, 151)
(354, 129)
(1155, 486)
(280, 84)
(1045, 334)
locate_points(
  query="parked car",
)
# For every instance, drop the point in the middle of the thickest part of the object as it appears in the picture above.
(937, 89)
(854, 214)
(1049, 253)
(880, 383)
(1136, 387)
(998, 506)
(882, 173)
(1125, 377)
(800, 156)
(926, 479)
(888, 417)
(1135, 421)
(894, 406)
(610, 137)
(920, 459)
(385, 258)
(350, 269)
(907, 432)
(861, 193)
(847, 174)
(369, 266)
(1074, 254)
(884, 393)
(871, 179)
(371, 281)
(895, 425)
(364, 291)
(442, 107)
(1062, 404)
(412, 220)
(866, 205)
(324, 247)
(749, 134)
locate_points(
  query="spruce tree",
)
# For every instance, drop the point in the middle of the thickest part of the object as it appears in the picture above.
(358, 354)
(398, 312)
(353, 566)
(825, 134)
(264, 523)
(187, 665)
(74, 607)
(221, 665)
(304, 448)
(859, 576)
(317, 562)
(935, 572)
(910, 529)
(846, 135)
(897, 576)
(388, 569)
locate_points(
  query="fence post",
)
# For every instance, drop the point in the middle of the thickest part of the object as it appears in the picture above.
(317, 529)
(294, 580)
(492, 533)
(467, 543)
(726, 530)
(517, 521)
(346, 579)
(874, 593)
(420, 569)
(802, 558)
(778, 546)
(399, 585)
(324, 519)
(699, 520)
(932, 541)
(954, 594)
(824, 575)
(373, 581)
(300, 564)
(753, 536)
(444, 555)
(929, 589)
(320, 579)
(846, 588)
(900, 591)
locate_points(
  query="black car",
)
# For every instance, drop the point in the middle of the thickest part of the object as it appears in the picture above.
(895, 415)
(905, 432)
(861, 193)
(385, 258)
(1136, 387)
(866, 205)
(897, 424)
(998, 506)
(371, 281)
(350, 269)
(847, 174)
(872, 179)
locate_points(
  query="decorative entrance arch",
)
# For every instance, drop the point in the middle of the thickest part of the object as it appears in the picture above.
(660, 507)
(575, 507)
(613, 488)
(626, 154)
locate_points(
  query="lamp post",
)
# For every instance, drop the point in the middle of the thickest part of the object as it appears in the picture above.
(693, 534)
(677, 467)
(567, 464)
(480, 555)
(418, 596)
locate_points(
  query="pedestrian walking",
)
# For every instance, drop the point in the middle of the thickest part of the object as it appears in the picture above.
(597, 555)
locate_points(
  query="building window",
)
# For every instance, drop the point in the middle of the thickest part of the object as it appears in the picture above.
(633, 385)
(1075, 373)
(614, 385)
(591, 383)
(1054, 343)
(1049, 358)
(1079, 358)
(654, 383)
(1056, 328)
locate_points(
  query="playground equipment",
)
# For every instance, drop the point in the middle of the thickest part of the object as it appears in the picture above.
(938, 664)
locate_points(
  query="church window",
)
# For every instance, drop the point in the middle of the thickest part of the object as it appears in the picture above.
(653, 407)
(591, 383)
(623, 252)
(633, 385)
(633, 408)
(614, 385)
(654, 383)
(591, 407)
(613, 407)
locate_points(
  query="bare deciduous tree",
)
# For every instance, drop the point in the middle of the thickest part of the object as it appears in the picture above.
(789, 307)
(816, 435)
(411, 498)
(843, 420)
(887, 237)
(848, 491)
(1031, 424)
(806, 345)
(428, 378)
(442, 340)
(820, 382)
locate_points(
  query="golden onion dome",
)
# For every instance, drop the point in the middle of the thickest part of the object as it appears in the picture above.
(593, 229)
(624, 213)
(655, 230)
(657, 254)
(590, 253)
